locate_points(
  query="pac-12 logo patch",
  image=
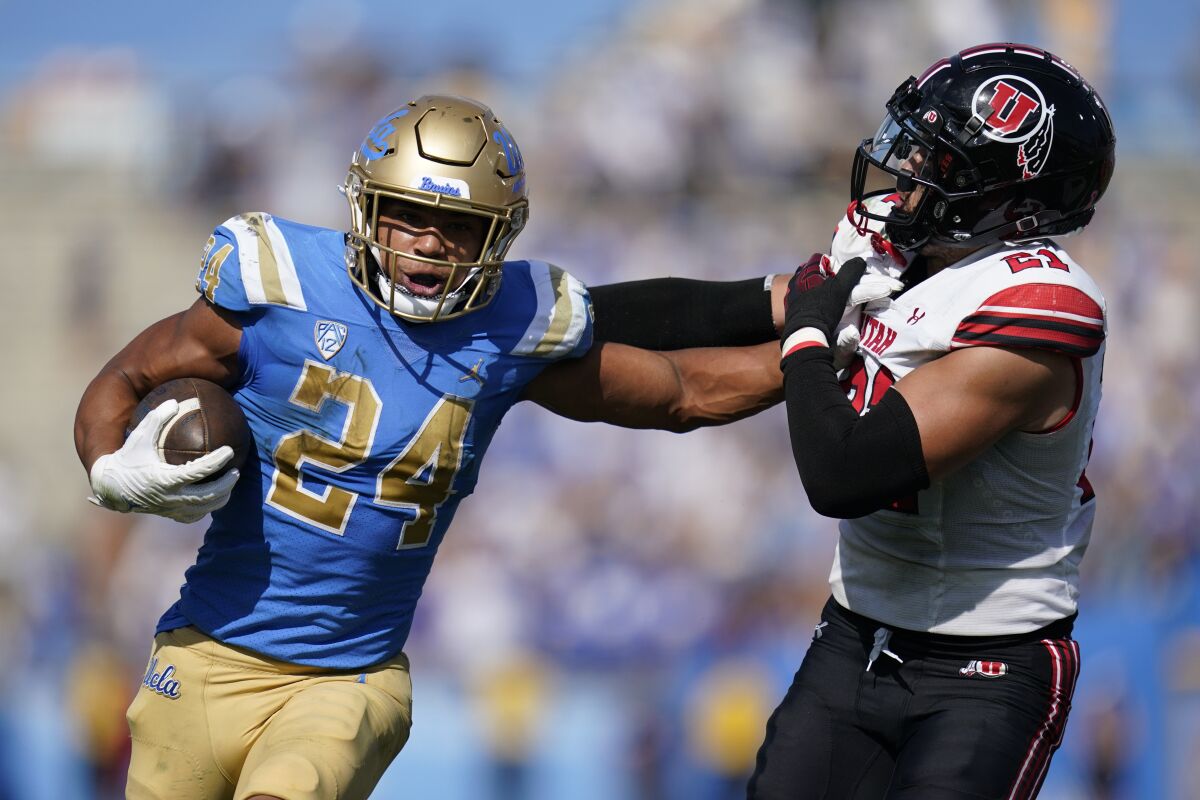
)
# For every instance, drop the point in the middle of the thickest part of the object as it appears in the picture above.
(987, 669)
(329, 336)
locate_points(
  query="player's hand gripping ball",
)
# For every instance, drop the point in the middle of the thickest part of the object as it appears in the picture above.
(180, 455)
(208, 418)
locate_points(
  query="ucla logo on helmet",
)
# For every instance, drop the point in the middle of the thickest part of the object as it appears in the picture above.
(375, 145)
(1013, 108)
(512, 154)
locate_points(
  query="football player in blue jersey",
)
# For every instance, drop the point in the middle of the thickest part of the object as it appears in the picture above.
(280, 672)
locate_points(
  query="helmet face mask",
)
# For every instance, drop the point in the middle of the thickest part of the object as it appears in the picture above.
(999, 142)
(914, 165)
(441, 153)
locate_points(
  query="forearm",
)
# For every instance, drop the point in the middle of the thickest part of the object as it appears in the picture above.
(678, 313)
(717, 386)
(102, 415)
(850, 465)
(198, 343)
(678, 391)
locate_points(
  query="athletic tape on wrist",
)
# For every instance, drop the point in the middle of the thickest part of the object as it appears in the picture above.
(805, 337)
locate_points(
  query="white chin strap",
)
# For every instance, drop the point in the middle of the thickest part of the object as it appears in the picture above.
(405, 302)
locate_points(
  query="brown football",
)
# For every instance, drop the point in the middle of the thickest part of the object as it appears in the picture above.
(209, 418)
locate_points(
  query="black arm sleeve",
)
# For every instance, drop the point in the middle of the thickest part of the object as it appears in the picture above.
(850, 465)
(676, 313)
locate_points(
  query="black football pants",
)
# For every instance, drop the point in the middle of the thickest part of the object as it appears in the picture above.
(934, 717)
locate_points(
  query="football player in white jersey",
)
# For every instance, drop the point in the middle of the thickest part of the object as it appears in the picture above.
(944, 665)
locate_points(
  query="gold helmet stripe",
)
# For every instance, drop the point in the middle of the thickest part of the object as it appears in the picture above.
(268, 272)
(561, 316)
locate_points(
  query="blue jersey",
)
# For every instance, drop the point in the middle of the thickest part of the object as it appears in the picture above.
(368, 433)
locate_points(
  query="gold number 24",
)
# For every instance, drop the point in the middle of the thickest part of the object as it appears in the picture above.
(419, 478)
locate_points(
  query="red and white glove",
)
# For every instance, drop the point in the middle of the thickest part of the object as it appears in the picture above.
(857, 236)
(135, 478)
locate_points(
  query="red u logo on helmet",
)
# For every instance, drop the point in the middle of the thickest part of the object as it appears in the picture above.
(1013, 109)
(1006, 119)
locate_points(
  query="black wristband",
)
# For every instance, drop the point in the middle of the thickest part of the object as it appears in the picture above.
(850, 465)
(677, 313)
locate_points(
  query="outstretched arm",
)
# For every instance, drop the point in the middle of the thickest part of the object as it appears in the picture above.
(676, 391)
(678, 313)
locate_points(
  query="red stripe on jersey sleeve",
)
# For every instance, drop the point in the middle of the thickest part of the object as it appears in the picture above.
(1052, 298)
(1043, 316)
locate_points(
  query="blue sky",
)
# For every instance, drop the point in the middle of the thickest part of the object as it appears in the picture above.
(1155, 64)
(187, 42)
(215, 37)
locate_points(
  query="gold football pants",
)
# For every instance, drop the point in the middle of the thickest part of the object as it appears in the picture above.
(213, 722)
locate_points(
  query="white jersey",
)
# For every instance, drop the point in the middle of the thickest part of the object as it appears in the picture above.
(994, 548)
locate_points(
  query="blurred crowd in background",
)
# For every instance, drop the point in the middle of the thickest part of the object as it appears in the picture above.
(613, 614)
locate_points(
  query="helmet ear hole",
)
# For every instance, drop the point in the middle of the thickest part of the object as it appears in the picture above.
(964, 178)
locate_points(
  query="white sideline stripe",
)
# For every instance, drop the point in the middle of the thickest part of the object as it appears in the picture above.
(1036, 746)
(1042, 312)
(288, 276)
(1062, 728)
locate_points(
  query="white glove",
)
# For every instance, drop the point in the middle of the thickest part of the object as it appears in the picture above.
(872, 293)
(135, 478)
(859, 237)
(845, 346)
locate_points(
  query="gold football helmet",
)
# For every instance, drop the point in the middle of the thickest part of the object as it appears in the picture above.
(449, 153)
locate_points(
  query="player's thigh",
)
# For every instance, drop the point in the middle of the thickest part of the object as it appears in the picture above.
(334, 738)
(815, 747)
(172, 754)
(989, 737)
(963, 753)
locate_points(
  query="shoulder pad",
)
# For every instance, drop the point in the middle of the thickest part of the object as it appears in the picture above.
(562, 322)
(1045, 316)
(247, 262)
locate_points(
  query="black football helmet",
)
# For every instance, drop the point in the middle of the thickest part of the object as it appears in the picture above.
(1009, 142)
